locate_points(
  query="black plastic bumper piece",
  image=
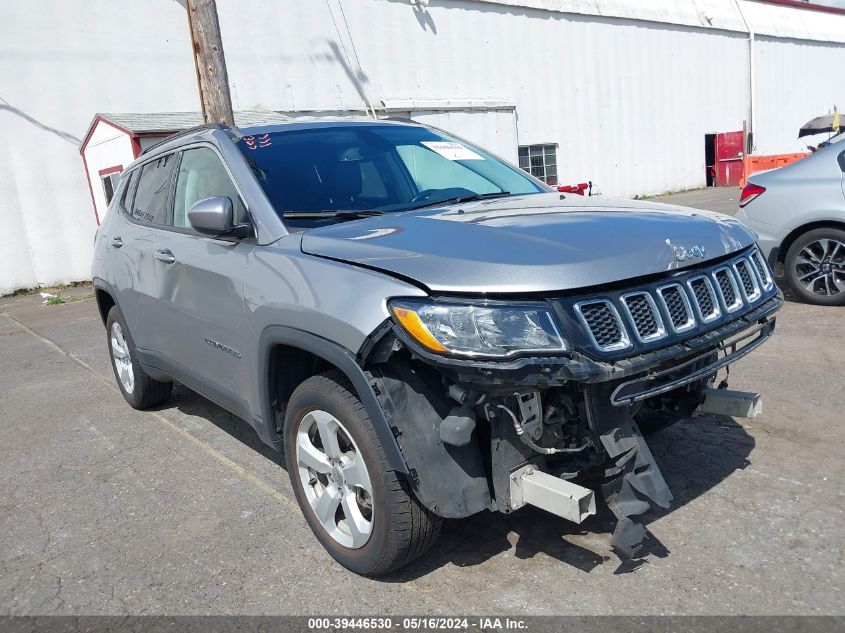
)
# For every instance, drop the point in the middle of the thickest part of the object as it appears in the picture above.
(633, 483)
(448, 479)
(693, 368)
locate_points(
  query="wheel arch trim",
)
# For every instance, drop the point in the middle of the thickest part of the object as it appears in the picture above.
(103, 288)
(798, 231)
(341, 358)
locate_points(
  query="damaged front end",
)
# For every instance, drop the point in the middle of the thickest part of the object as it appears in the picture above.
(550, 425)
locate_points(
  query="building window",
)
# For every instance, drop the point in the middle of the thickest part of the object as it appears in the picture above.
(110, 183)
(110, 179)
(540, 161)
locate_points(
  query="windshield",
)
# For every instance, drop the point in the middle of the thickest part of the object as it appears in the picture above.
(318, 175)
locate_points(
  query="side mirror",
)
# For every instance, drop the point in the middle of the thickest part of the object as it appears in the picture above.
(214, 216)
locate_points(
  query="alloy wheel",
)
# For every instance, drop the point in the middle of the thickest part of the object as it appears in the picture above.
(122, 358)
(820, 267)
(335, 479)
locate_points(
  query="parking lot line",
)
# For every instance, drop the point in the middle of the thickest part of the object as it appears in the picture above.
(233, 466)
(257, 482)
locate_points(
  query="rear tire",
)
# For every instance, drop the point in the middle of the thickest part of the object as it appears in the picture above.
(328, 438)
(815, 266)
(139, 389)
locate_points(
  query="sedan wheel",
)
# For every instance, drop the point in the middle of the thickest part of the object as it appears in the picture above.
(335, 479)
(820, 267)
(815, 266)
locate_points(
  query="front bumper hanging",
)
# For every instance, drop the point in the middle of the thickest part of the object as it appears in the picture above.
(634, 482)
(656, 382)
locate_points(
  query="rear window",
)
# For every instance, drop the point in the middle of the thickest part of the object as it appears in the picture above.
(150, 200)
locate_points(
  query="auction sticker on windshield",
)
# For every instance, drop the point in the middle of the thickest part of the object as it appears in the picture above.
(452, 151)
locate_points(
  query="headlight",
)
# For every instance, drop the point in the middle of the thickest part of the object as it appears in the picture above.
(479, 330)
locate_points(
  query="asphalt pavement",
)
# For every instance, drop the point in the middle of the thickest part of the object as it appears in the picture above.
(182, 510)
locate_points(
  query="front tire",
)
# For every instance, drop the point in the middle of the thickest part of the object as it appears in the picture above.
(139, 389)
(361, 511)
(815, 266)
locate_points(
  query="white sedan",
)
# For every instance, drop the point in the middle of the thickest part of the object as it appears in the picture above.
(798, 212)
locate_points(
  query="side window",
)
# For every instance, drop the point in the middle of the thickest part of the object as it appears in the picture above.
(150, 203)
(202, 175)
(128, 194)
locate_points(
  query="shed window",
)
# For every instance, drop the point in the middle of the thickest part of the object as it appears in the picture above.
(110, 184)
(540, 161)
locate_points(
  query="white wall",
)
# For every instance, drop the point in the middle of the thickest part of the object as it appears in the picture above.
(628, 101)
(796, 81)
(60, 62)
(494, 130)
(627, 98)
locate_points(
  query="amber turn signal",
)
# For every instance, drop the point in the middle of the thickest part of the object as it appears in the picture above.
(410, 320)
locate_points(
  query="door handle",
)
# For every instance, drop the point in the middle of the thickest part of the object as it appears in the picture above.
(165, 256)
(116, 242)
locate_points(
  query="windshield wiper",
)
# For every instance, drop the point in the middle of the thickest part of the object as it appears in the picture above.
(459, 199)
(341, 215)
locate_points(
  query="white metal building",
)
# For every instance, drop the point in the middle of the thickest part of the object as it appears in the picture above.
(622, 92)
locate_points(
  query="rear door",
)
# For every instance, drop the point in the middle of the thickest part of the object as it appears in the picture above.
(201, 282)
(132, 246)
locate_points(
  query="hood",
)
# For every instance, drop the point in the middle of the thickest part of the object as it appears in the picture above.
(531, 243)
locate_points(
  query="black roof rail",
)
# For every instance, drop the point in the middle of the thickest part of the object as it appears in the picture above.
(191, 130)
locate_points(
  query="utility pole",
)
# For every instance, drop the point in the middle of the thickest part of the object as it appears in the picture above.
(212, 78)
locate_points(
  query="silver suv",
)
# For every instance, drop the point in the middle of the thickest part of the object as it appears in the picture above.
(424, 330)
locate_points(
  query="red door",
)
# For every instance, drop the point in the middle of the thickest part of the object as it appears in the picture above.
(729, 159)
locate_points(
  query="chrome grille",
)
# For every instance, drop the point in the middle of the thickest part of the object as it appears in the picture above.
(678, 307)
(682, 304)
(602, 321)
(727, 288)
(746, 277)
(762, 269)
(705, 299)
(648, 325)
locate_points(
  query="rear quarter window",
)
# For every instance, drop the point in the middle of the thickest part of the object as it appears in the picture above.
(149, 203)
(127, 195)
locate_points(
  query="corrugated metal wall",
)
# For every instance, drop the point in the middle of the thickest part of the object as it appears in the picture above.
(796, 81)
(627, 102)
(626, 90)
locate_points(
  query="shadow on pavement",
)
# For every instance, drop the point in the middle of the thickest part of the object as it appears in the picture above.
(191, 403)
(694, 456)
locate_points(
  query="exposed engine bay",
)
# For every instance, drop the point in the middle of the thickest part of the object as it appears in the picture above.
(553, 432)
